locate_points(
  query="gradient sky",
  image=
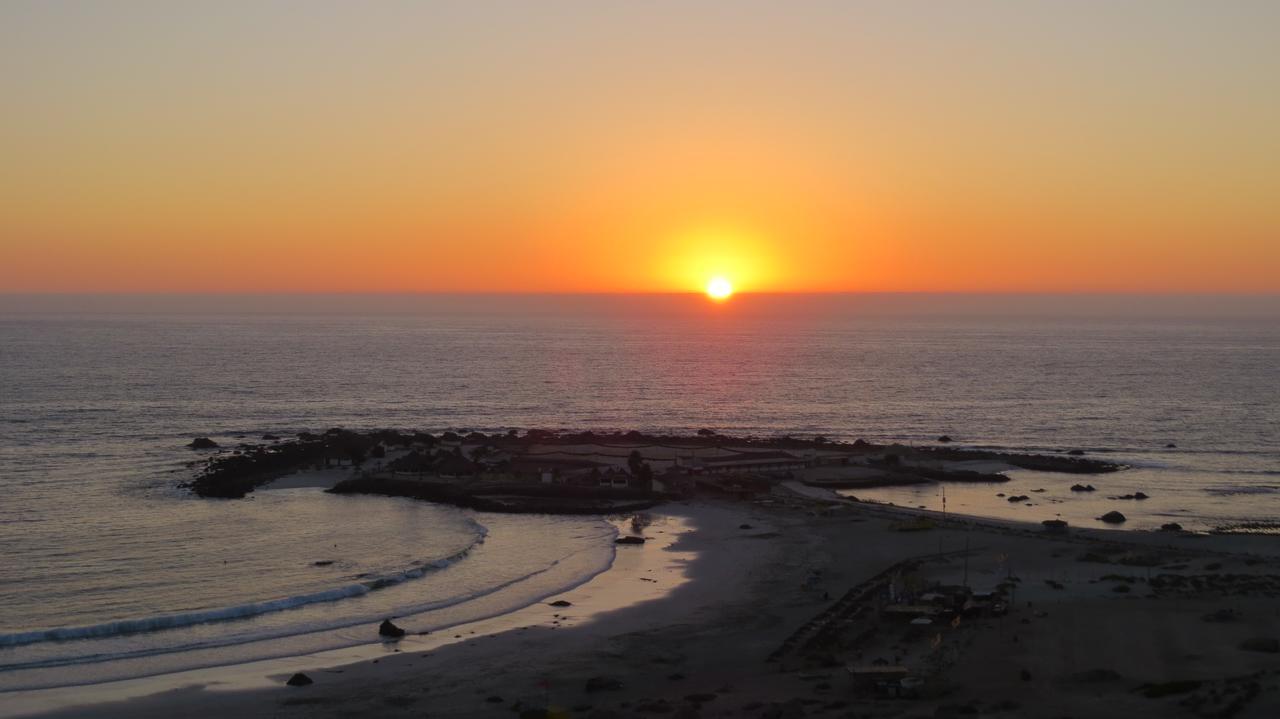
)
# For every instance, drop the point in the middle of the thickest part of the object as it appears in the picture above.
(602, 146)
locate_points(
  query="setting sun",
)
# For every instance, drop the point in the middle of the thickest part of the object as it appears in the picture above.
(719, 288)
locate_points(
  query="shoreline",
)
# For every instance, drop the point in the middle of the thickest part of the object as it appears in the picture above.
(735, 588)
(1246, 543)
(595, 596)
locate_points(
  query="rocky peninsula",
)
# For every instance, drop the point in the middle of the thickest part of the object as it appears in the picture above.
(548, 471)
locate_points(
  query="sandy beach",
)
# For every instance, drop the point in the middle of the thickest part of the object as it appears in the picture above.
(695, 622)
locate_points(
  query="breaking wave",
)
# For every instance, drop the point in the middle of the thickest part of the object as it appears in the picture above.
(240, 611)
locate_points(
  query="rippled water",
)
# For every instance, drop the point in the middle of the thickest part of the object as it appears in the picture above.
(95, 408)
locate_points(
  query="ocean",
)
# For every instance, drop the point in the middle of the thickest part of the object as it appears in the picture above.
(111, 569)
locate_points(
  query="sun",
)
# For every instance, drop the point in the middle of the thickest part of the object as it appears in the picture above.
(719, 288)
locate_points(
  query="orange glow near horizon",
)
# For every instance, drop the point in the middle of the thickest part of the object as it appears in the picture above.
(637, 148)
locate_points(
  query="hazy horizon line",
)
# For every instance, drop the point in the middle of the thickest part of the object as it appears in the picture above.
(778, 305)
(625, 293)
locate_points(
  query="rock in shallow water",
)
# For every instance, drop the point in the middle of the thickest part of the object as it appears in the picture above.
(387, 629)
(299, 680)
(1113, 518)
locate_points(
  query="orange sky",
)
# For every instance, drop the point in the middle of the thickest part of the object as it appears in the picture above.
(577, 147)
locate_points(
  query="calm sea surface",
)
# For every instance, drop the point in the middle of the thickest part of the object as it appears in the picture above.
(109, 565)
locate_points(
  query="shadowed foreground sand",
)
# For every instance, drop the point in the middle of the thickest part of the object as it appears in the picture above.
(1072, 644)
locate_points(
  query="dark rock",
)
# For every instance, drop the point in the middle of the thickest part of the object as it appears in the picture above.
(1139, 495)
(387, 629)
(1113, 518)
(1054, 525)
(1083, 488)
(300, 680)
(944, 438)
(1019, 498)
(270, 437)
(1270, 645)
(1171, 527)
(1076, 453)
(629, 540)
(561, 603)
(322, 563)
(1171, 445)
(745, 526)
(603, 684)
(203, 443)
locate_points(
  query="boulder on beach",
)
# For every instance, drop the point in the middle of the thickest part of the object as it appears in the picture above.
(629, 540)
(300, 680)
(561, 603)
(1083, 488)
(203, 443)
(1171, 445)
(1171, 527)
(387, 629)
(1076, 453)
(1054, 525)
(1019, 498)
(945, 438)
(270, 437)
(1113, 518)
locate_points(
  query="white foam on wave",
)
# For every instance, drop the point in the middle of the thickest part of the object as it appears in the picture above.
(411, 610)
(240, 611)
